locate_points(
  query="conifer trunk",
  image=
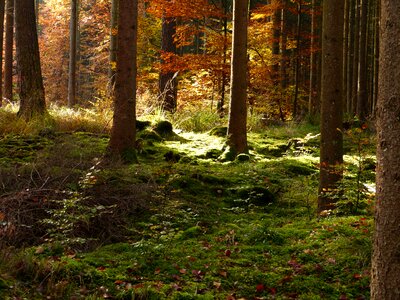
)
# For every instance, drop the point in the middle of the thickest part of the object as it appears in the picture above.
(31, 90)
(2, 8)
(331, 154)
(237, 135)
(385, 280)
(123, 132)
(8, 51)
(72, 53)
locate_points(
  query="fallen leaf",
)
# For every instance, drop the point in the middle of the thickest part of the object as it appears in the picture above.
(260, 288)
(227, 252)
(101, 268)
(118, 282)
(39, 250)
(182, 271)
(157, 271)
(217, 284)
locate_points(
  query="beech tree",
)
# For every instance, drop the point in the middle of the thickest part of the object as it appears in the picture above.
(237, 131)
(123, 132)
(331, 155)
(30, 81)
(385, 280)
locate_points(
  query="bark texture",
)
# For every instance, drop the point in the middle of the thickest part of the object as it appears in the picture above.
(113, 43)
(237, 135)
(31, 90)
(8, 53)
(362, 97)
(168, 83)
(385, 281)
(73, 29)
(123, 132)
(331, 155)
(2, 6)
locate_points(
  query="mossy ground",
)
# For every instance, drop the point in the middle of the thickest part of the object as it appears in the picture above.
(191, 228)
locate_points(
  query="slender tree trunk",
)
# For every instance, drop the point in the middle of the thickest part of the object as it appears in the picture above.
(376, 58)
(346, 50)
(9, 48)
(123, 132)
(331, 155)
(31, 90)
(73, 29)
(168, 83)
(283, 63)
(385, 279)
(351, 63)
(2, 8)
(276, 33)
(362, 99)
(356, 59)
(312, 98)
(113, 43)
(237, 131)
(221, 102)
(298, 59)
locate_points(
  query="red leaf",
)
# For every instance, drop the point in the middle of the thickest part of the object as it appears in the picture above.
(228, 252)
(223, 273)
(182, 271)
(272, 291)
(101, 268)
(260, 288)
(357, 276)
(157, 271)
(118, 282)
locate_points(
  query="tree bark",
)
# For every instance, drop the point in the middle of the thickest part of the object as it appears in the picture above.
(2, 8)
(362, 96)
(356, 52)
(331, 155)
(113, 43)
(123, 132)
(385, 280)
(168, 83)
(298, 58)
(237, 132)
(31, 90)
(72, 53)
(8, 54)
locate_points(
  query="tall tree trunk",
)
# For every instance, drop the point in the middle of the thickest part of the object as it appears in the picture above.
(2, 6)
(331, 157)
(73, 29)
(123, 132)
(284, 58)
(347, 10)
(168, 83)
(312, 98)
(351, 64)
(31, 90)
(276, 33)
(385, 279)
(113, 43)
(298, 58)
(237, 132)
(224, 76)
(9, 48)
(362, 99)
(356, 52)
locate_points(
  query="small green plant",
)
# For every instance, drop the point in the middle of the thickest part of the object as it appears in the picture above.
(356, 191)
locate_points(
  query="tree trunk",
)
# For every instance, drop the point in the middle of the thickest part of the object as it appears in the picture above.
(113, 43)
(350, 57)
(2, 4)
(362, 97)
(224, 75)
(237, 132)
(331, 157)
(31, 91)
(284, 58)
(298, 58)
(72, 53)
(385, 280)
(123, 132)
(8, 54)
(356, 53)
(168, 83)
(312, 98)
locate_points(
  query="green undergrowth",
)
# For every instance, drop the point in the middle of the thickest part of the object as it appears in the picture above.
(180, 224)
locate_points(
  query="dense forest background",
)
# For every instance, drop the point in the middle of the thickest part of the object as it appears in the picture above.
(203, 149)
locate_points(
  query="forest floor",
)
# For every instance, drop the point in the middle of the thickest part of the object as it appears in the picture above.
(181, 224)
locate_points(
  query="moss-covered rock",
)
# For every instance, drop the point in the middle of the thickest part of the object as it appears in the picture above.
(256, 195)
(141, 125)
(219, 131)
